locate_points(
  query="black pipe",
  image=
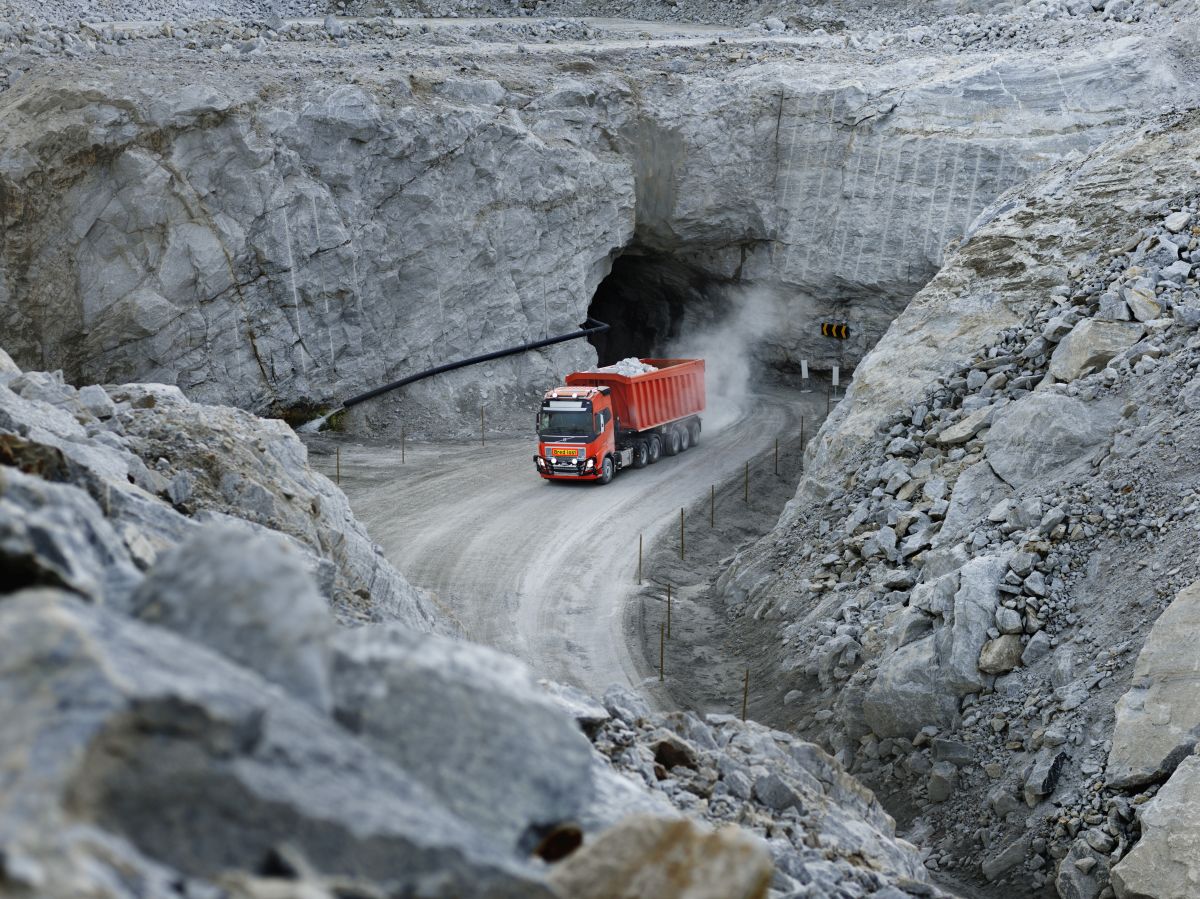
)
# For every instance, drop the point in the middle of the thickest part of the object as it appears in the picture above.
(591, 326)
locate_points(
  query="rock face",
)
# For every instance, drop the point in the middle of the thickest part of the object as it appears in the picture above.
(279, 243)
(1158, 720)
(1163, 865)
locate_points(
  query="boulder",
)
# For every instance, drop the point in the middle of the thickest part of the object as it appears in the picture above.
(666, 859)
(1001, 655)
(1007, 858)
(966, 428)
(462, 719)
(1158, 718)
(1142, 302)
(249, 597)
(1083, 874)
(975, 603)
(1090, 345)
(202, 766)
(1165, 863)
(1046, 437)
(1042, 776)
(907, 692)
(975, 492)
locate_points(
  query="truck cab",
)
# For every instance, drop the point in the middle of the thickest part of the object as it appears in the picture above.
(577, 435)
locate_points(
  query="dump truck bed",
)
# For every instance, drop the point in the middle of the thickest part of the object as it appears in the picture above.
(653, 399)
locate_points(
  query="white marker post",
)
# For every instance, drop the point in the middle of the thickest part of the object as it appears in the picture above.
(835, 381)
(804, 386)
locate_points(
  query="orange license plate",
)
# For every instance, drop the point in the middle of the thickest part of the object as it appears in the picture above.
(565, 452)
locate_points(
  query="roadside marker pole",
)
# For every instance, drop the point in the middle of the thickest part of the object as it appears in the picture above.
(662, 651)
(681, 534)
(639, 560)
(338, 475)
(745, 694)
(668, 611)
(712, 506)
(804, 385)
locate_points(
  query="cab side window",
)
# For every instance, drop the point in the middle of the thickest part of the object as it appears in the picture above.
(602, 418)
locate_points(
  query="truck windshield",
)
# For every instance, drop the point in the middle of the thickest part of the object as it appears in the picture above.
(565, 424)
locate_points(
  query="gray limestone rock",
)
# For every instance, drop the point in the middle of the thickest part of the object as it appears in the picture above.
(203, 766)
(462, 719)
(1001, 655)
(1090, 345)
(1046, 437)
(250, 598)
(1158, 719)
(1043, 774)
(1163, 863)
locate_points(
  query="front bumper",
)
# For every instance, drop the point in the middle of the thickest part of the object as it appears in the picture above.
(564, 471)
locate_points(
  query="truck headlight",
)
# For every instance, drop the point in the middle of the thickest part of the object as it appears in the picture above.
(591, 463)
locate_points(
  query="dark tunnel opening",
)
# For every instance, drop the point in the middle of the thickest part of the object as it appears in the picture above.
(652, 302)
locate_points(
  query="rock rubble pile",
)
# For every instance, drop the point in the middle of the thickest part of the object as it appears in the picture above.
(960, 611)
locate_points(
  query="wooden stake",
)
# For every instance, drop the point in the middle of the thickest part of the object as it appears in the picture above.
(712, 506)
(662, 652)
(681, 533)
(745, 694)
(339, 466)
(668, 611)
(639, 560)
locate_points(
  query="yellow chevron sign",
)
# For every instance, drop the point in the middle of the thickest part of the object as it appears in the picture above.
(841, 332)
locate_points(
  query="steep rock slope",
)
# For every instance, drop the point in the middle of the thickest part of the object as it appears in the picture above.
(282, 227)
(994, 518)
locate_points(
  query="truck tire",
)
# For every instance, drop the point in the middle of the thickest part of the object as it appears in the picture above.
(653, 449)
(606, 470)
(694, 432)
(685, 439)
(671, 442)
(641, 454)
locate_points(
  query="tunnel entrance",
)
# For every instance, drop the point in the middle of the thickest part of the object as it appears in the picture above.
(652, 301)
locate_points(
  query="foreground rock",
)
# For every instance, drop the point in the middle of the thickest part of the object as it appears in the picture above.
(654, 857)
(197, 764)
(145, 470)
(1158, 720)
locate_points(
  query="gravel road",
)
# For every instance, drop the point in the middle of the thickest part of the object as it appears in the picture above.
(544, 570)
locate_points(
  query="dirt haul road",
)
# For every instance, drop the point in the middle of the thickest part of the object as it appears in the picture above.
(545, 570)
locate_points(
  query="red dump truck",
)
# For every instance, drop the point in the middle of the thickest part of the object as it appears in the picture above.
(603, 421)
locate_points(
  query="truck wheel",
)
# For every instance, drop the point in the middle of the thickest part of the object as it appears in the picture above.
(653, 450)
(685, 439)
(671, 447)
(641, 455)
(606, 470)
(694, 432)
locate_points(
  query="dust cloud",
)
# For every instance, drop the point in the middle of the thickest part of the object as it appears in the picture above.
(728, 347)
